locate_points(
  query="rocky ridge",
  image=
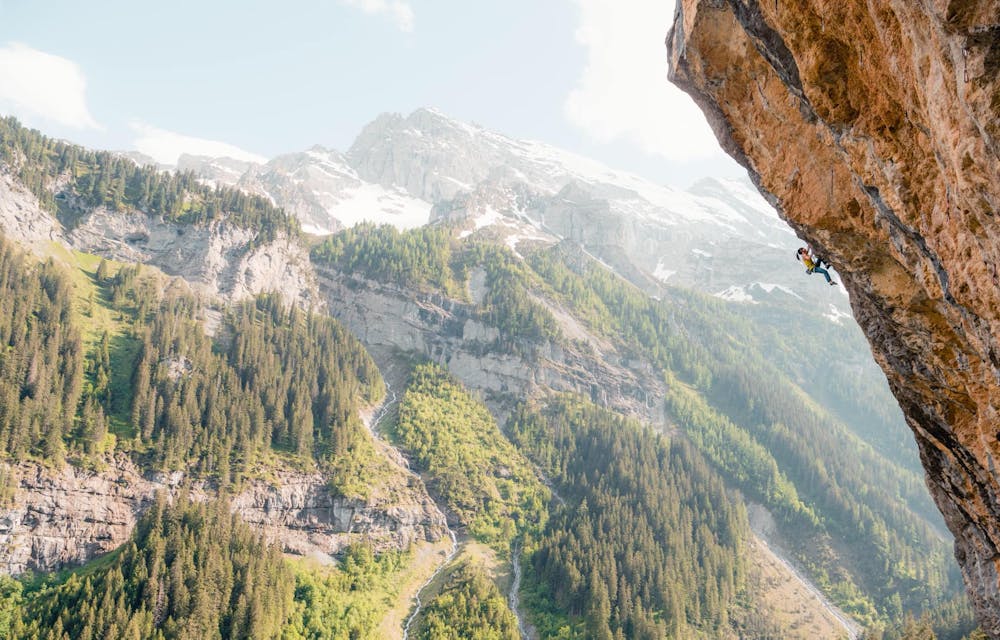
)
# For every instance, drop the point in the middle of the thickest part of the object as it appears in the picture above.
(64, 517)
(21, 217)
(220, 259)
(873, 130)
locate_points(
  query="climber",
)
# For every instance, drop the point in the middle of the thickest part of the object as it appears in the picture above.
(816, 258)
(814, 264)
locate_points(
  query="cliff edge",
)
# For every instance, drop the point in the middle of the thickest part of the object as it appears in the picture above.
(874, 130)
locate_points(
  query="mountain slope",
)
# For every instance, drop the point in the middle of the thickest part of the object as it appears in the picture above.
(399, 167)
(649, 232)
(265, 399)
(324, 192)
(840, 502)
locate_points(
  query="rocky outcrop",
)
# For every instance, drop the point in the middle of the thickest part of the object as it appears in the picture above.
(21, 217)
(389, 320)
(219, 259)
(65, 517)
(221, 171)
(873, 128)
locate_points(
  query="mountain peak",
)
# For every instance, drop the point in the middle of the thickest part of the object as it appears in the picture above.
(318, 148)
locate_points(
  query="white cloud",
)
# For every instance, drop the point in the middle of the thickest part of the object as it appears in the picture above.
(623, 93)
(166, 146)
(399, 11)
(39, 85)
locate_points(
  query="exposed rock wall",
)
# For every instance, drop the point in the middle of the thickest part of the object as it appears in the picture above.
(68, 516)
(220, 259)
(873, 127)
(21, 217)
(388, 320)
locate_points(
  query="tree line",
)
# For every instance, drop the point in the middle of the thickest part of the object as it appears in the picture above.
(194, 571)
(41, 358)
(275, 378)
(283, 379)
(860, 524)
(649, 545)
(190, 571)
(68, 179)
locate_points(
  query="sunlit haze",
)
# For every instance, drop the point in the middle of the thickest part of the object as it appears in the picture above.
(255, 79)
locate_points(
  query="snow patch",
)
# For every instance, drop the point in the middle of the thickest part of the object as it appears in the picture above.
(736, 294)
(489, 216)
(315, 230)
(374, 203)
(514, 239)
(770, 287)
(836, 315)
(661, 273)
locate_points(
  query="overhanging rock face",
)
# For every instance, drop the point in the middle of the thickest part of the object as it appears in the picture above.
(874, 128)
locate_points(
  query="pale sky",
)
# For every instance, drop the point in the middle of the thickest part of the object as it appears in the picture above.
(253, 78)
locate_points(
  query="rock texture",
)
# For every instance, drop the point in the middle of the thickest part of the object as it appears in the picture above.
(220, 259)
(389, 320)
(65, 517)
(873, 127)
(21, 218)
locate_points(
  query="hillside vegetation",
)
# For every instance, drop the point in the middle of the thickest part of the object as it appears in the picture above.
(649, 544)
(862, 524)
(68, 180)
(469, 607)
(482, 478)
(816, 446)
(624, 532)
(275, 380)
(41, 362)
(193, 572)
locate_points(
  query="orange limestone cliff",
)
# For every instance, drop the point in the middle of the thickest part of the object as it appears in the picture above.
(874, 128)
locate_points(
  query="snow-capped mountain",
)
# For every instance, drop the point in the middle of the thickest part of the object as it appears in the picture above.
(318, 186)
(321, 188)
(215, 171)
(719, 236)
